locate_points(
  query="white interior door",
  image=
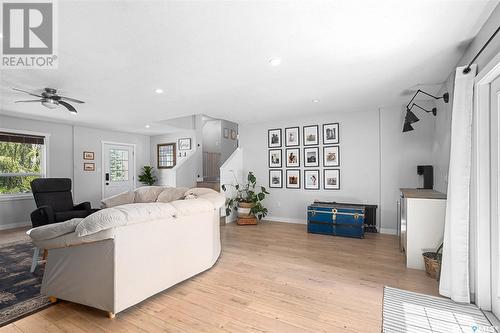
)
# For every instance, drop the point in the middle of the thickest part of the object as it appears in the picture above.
(495, 195)
(118, 167)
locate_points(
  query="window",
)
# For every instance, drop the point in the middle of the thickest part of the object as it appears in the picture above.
(22, 159)
(118, 165)
(166, 155)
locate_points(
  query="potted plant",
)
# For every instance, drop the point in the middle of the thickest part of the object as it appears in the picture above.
(246, 200)
(147, 176)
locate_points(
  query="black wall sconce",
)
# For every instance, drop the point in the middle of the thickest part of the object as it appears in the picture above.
(411, 118)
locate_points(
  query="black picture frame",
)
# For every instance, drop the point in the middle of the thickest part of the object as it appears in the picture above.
(316, 171)
(298, 180)
(336, 129)
(281, 158)
(304, 136)
(271, 185)
(298, 158)
(308, 164)
(288, 129)
(325, 164)
(337, 187)
(180, 142)
(270, 136)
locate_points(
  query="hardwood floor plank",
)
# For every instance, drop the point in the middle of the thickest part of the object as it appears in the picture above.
(273, 277)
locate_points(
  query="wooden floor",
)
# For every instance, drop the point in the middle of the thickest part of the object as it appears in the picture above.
(273, 277)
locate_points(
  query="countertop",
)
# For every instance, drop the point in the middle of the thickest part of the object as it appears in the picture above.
(422, 194)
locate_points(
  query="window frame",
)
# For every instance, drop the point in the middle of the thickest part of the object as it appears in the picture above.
(174, 157)
(44, 164)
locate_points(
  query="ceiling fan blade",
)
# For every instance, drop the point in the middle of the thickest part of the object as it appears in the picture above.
(27, 92)
(30, 101)
(68, 106)
(71, 99)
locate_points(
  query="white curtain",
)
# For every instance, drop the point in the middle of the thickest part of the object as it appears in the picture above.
(454, 281)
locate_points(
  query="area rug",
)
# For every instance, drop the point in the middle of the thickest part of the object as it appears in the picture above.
(19, 289)
(405, 311)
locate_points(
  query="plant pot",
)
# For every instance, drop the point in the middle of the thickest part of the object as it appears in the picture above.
(244, 216)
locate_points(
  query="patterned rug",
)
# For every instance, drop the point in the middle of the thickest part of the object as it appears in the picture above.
(19, 289)
(408, 312)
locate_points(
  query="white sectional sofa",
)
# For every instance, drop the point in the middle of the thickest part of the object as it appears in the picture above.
(121, 255)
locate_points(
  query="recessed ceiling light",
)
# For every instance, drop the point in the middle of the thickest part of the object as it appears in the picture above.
(275, 61)
(159, 91)
(315, 100)
(147, 126)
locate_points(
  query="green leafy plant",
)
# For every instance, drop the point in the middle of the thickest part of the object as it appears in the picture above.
(249, 193)
(147, 176)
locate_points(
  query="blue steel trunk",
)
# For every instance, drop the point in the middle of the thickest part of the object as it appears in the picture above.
(336, 219)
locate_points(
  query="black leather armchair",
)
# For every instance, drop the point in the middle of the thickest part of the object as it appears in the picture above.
(55, 202)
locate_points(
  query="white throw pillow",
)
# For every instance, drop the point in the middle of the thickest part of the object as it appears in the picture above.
(148, 193)
(53, 230)
(119, 199)
(171, 194)
(200, 191)
(124, 215)
(191, 207)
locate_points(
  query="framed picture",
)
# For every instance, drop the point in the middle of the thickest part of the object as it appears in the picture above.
(293, 178)
(234, 135)
(88, 155)
(331, 134)
(331, 156)
(275, 178)
(331, 179)
(311, 157)
(292, 157)
(226, 133)
(292, 136)
(274, 138)
(311, 179)
(88, 166)
(185, 144)
(275, 158)
(311, 135)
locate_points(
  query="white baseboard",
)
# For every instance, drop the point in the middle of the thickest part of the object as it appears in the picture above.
(388, 231)
(14, 225)
(284, 219)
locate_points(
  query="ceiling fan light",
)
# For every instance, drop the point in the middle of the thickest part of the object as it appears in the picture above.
(50, 103)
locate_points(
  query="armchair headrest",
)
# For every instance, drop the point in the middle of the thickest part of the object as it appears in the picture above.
(41, 185)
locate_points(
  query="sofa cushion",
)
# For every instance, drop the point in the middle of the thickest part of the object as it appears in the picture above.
(71, 214)
(172, 193)
(191, 207)
(119, 199)
(148, 193)
(53, 230)
(197, 191)
(124, 215)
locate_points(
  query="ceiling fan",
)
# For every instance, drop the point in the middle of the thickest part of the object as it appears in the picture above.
(50, 99)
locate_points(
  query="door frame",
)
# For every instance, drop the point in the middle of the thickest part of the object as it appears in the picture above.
(480, 182)
(103, 174)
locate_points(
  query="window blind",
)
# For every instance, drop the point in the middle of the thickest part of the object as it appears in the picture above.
(22, 138)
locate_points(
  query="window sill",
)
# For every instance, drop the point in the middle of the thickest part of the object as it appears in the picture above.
(13, 197)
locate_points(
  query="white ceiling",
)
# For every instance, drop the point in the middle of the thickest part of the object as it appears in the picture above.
(212, 57)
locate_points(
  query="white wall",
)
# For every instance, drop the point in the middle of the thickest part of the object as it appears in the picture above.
(231, 172)
(376, 160)
(168, 177)
(400, 154)
(87, 185)
(16, 212)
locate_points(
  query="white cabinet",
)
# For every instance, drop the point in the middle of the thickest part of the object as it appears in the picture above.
(422, 216)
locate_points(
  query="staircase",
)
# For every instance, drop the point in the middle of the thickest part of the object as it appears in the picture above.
(213, 184)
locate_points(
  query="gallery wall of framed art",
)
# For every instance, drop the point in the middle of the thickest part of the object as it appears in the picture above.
(302, 151)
